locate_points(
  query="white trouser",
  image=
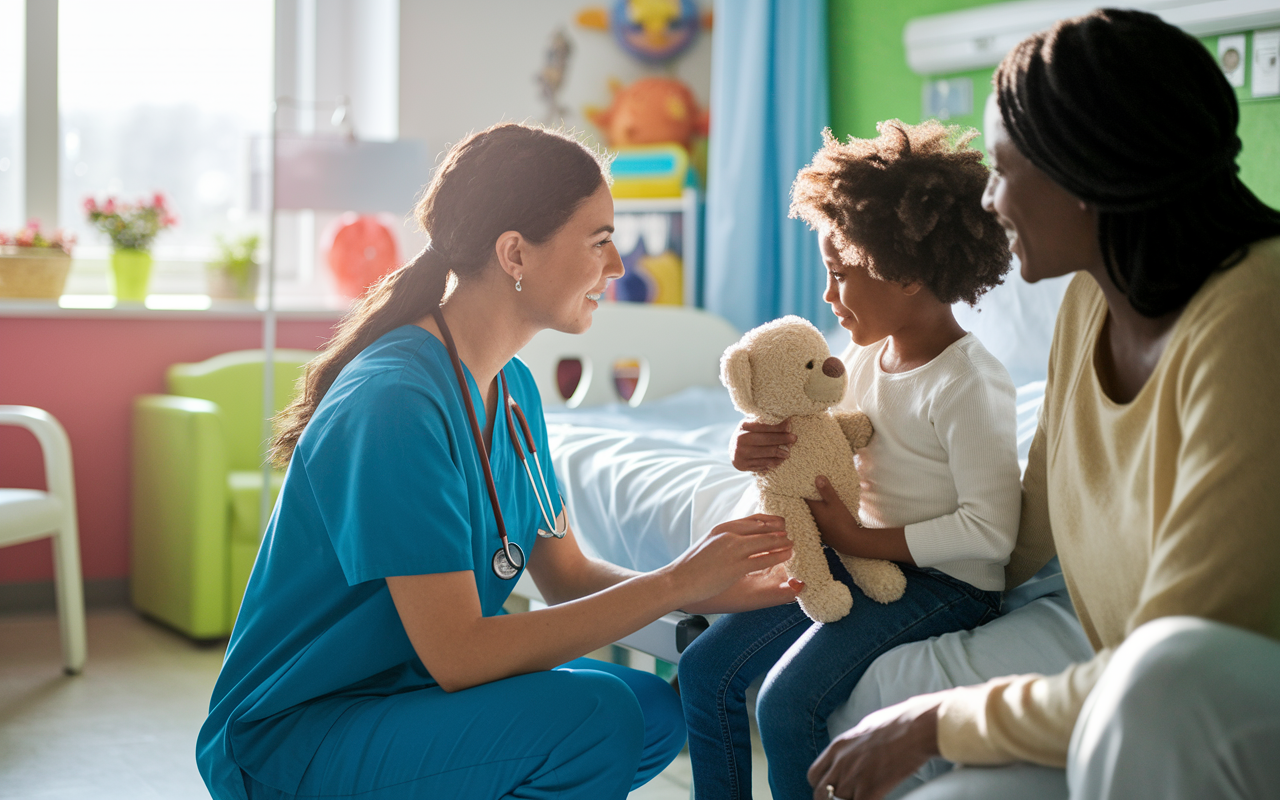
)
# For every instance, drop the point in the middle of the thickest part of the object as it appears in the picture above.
(1041, 636)
(1186, 709)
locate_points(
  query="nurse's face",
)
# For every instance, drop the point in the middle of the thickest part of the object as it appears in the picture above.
(566, 275)
(1051, 231)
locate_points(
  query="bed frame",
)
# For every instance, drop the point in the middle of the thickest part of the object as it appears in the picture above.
(675, 347)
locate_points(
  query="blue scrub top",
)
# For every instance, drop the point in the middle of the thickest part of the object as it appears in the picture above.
(385, 480)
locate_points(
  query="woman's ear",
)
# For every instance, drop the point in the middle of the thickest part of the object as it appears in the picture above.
(911, 289)
(510, 252)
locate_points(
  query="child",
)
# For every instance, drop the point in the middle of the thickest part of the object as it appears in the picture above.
(903, 236)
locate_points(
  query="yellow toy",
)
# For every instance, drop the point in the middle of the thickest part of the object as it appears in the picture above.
(784, 370)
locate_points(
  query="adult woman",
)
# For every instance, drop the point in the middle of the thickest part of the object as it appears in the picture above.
(1153, 470)
(371, 656)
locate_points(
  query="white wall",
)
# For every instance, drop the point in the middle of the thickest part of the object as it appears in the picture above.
(466, 65)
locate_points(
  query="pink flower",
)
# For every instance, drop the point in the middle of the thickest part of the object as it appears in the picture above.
(158, 201)
(33, 224)
(168, 220)
(109, 207)
(90, 205)
(25, 238)
(4, 238)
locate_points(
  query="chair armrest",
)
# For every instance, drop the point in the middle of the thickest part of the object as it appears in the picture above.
(54, 445)
(180, 512)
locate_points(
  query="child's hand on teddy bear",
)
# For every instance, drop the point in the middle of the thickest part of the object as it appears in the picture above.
(758, 447)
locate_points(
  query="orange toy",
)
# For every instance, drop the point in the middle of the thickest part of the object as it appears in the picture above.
(360, 251)
(650, 111)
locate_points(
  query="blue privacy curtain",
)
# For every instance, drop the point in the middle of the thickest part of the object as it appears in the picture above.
(769, 104)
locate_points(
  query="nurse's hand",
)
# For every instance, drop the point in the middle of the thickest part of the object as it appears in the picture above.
(763, 589)
(722, 558)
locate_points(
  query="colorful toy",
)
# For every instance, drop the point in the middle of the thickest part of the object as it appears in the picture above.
(360, 251)
(784, 370)
(653, 31)
(650, 111)
(659, 170)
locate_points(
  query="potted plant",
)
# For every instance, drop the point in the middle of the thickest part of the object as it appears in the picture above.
(132, 228)
(234, 276)
(33, 265)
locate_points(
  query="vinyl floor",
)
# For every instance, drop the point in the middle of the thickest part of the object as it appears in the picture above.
(125, 729)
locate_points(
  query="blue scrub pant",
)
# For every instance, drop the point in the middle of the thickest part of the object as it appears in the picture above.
(587, 730)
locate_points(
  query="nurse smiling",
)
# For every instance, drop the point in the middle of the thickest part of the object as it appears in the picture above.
(371, 656)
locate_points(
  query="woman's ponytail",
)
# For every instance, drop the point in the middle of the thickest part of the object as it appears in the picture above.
(398, 299)
(510, 177)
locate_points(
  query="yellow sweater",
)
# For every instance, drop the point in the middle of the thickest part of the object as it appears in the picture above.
(1167, 505)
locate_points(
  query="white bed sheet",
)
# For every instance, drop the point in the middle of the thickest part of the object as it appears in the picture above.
(641, 484)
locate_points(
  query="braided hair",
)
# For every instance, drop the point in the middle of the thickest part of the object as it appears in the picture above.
(1154, 153)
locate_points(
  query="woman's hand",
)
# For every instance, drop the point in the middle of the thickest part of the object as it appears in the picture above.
(758, 447)
(867, 762)
(734, 549)
(763, 589)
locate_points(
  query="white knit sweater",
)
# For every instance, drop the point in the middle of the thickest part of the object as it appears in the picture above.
(943, 461)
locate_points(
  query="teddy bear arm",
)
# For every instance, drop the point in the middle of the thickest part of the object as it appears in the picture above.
(856, 427)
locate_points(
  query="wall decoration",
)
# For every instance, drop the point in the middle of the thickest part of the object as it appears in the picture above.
(649, 243)
(551, 77)
(654, 31)
(651, 111)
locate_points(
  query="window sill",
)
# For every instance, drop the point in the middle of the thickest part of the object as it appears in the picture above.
(158, 307)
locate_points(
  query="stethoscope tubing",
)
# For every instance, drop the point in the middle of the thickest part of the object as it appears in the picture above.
(552, 528)
(513, 564)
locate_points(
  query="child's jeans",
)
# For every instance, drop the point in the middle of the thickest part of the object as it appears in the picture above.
(812, 670)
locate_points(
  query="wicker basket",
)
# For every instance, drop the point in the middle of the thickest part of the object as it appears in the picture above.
(34, 272)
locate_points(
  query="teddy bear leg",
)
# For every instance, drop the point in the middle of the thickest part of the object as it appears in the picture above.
(878, 579)
(824, 598)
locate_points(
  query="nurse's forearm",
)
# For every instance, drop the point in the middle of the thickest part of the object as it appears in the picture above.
(462, 648)
(562, 572)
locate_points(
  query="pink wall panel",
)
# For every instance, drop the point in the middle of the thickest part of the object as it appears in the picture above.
(86, 372)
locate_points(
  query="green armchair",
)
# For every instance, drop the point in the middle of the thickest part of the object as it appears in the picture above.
(197, 485)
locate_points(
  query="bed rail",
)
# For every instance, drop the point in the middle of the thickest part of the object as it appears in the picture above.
(674, 347)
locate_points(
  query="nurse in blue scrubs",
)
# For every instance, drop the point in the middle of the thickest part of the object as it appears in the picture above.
(371, 657)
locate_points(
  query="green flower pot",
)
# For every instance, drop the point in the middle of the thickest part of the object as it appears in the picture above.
(131, 270)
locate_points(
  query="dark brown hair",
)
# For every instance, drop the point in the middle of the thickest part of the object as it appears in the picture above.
(510, 177)
(1153, 151)
(907, 205)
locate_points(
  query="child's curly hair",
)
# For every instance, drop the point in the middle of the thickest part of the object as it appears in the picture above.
(907, 205)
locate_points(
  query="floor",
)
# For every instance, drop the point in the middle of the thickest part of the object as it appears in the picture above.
(125, 729)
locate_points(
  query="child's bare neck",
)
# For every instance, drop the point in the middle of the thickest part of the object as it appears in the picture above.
(920, 342)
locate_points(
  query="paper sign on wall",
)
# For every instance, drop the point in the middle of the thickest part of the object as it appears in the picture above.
(1266, 63)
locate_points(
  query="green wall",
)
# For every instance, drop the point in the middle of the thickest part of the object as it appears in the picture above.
(870, 81)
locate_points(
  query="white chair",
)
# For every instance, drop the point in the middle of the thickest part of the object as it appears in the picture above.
(27, 514)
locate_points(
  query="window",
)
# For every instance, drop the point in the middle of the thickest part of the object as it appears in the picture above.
(12, 25)
(160, 96)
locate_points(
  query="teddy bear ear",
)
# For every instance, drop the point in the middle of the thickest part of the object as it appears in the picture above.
(735, 374)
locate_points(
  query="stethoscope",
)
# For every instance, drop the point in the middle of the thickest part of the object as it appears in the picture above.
(509, 559)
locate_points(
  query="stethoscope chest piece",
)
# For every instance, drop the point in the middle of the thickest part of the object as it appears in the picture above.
(507, 568)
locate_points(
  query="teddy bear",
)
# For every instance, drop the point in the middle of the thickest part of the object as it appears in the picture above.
(784, 370)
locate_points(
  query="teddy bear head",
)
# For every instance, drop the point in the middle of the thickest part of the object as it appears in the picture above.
(782, 369)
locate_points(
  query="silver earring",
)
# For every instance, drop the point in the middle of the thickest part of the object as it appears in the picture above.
(518, 283)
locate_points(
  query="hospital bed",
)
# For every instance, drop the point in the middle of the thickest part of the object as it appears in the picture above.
(643, 477)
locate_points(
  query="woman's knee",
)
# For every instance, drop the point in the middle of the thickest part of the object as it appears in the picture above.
(606, 709)
(1159, 663)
